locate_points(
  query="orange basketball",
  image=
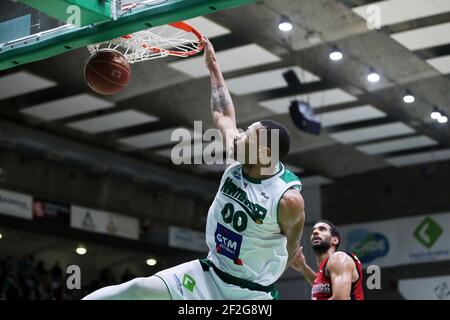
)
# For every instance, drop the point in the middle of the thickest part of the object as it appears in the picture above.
(107, 72)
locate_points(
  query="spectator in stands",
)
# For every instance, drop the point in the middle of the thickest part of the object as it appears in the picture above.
(24, 280)
(40, 269)
(57, 271)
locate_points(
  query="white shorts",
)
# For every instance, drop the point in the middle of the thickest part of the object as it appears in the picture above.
(192, 281)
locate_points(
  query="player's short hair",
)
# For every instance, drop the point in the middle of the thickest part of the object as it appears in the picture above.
(284, 136)
(333, 230)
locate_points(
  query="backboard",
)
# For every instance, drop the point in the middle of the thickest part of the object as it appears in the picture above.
(32, 30)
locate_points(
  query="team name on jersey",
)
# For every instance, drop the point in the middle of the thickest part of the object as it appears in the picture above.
(321, 288)
(256, 212)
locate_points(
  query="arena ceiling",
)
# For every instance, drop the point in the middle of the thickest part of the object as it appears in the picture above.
(365, 126)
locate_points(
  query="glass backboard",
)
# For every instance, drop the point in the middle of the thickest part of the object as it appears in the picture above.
(32, 30)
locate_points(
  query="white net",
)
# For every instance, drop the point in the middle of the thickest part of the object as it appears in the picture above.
(158, 42)
(120, 8)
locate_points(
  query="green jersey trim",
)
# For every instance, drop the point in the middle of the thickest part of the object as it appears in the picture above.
(288, 176)
(246, 284)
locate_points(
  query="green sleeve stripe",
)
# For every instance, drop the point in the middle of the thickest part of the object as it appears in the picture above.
(288, 176)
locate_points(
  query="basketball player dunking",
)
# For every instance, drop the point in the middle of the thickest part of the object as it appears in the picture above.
(254, 223)
(340, 275)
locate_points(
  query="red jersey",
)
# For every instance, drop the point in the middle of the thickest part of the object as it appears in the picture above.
(322, 289)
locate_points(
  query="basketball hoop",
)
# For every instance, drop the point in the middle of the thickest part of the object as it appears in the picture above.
(177, 39)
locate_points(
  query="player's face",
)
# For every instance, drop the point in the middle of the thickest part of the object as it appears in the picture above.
(321, 238)
(245, 147)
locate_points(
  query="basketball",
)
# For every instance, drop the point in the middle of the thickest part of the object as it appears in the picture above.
(107, 72)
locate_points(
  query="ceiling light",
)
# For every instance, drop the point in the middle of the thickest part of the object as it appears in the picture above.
(435, 114)
(373, 76)
(336, 54)
(151, 262)
(285, 24)
(1, 236)
(81, 250)
(408, 97)
(443, 118)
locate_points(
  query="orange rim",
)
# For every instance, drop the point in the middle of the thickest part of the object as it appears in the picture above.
(182, 26)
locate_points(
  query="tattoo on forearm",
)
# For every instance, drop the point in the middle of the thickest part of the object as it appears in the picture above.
(220, 98)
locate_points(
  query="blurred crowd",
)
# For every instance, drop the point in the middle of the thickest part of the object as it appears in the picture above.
(25, 279)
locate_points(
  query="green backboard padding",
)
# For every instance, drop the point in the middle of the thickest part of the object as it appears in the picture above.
(167, 12)
(88, 11)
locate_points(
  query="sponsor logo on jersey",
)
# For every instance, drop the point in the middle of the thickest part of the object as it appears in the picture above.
(188, 282)
(256, 212)
(178, 282)
(320, 289)
(228, 243)
(265, 198)
(236, 174)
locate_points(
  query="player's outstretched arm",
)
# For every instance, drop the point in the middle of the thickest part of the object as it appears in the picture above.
(222, 107)
(299, 264)
(341, 266)
(291, 217)
(150, 288)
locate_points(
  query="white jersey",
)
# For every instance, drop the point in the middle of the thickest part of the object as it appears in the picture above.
(242, 230)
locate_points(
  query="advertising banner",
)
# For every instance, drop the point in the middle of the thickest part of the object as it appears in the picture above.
(399, 241)
(51, 210)
(104, 222)
(373, 243)
(433, 288)
(16, 204)
(425, 238)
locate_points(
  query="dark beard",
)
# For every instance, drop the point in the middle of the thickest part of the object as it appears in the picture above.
(322, 247)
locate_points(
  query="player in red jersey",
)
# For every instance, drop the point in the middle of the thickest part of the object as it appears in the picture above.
(340, 275)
